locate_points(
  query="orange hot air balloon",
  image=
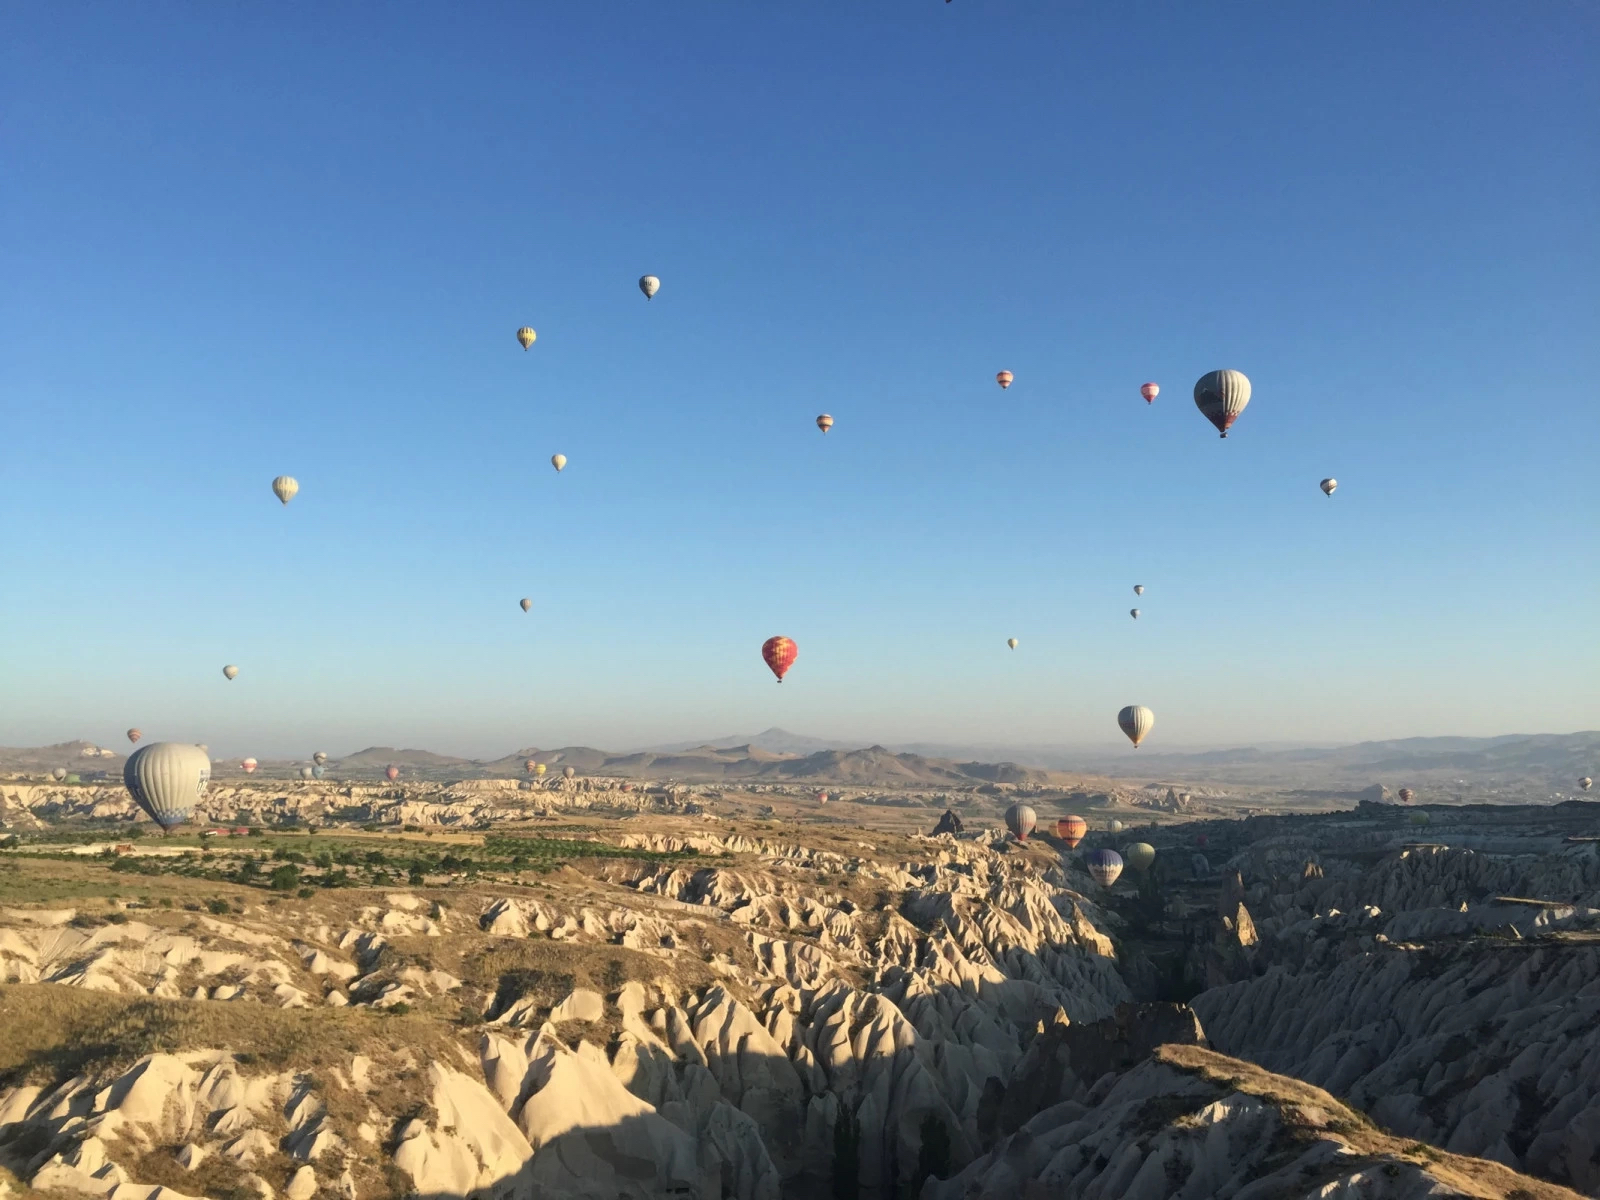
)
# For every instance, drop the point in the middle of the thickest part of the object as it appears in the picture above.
(1004, 379)
(780, 653)
(824, 422)
(134, 735)
(529, 766)
(1150, 391)
(391, 773)
(1071, 830)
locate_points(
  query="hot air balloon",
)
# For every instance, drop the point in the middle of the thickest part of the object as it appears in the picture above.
(248, 766)
(649, 285)
(391, 773)
(1012, 642)
(230, 672)
(568, 772)
(1150, 391)
(1021, 819)
(1138, 589)
(527, 337)
(1071, 830)
(1421, 817)
(320, 757)
(1221, 396)
(284, 487)
(1139, 856)
(1104, 865)
(539, 769)
(529, 766)
(824, 422)
(167, 779)
(822, 797)
(1004, 379)
(1115, 827)
(558, 461)
(305, 772)
(1136, 721)
(1329, 486)
(1585, 783)
(135, 734)
(780, 653)
(1134, 613)
(58, 774)
(1405, 795)
(526, 604)
(318, 772)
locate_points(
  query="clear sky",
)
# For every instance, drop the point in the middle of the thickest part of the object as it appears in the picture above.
(245, 240)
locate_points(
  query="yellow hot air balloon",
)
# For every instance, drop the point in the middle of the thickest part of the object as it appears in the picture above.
(1139, 856)
(539, 768)
(649, 285)
(824, 422)
(558, 461)
(1012, 642)
(527, 337)
(284, 487)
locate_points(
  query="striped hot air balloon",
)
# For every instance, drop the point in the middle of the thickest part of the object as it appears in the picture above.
(1140, 856)
(1020, 820)
(529, 766)
(1004, 379)
(1329, 486)
(284, 488)
(779, 653)
(1136, 721)
(1150, 391)
(527, 337)
(1221, 396)
(135, 734)
(1104, 865)
(1071, 830)
(824, 422)
(649, 285)
(167, 779)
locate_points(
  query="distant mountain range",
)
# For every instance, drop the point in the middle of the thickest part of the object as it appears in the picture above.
(776, 755)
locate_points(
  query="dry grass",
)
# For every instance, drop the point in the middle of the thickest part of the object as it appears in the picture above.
(1475, 1177)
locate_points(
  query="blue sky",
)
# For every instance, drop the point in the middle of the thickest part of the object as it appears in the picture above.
(244, 241)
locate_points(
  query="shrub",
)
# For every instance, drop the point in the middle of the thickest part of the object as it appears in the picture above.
(218, 907)
(285, 878)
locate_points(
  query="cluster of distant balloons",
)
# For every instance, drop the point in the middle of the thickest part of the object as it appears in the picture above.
(1104, 865)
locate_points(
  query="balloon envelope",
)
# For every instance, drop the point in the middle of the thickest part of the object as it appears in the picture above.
(569, 772)
(526, 604)
(318, 772)
(1150, 391)
(320, 757)
(1134, 613)
(529, 766)
(558, 461)
(527, 337)
(1104, 865)
(1585, 783)
(824, 422)
(779, 653)
(649, 285)
(391, 773)
(1004, 379)
(1021, 819)
(1071, 830)
(58, 774)
(539, 769)
(305, 772)
(1420, 818)
(284, 487)
(1115, 827)
(230, 672)
(1221, 396)
(1136, 720)
(1328, 486)
(249, 765)
(1138, 589)
(134, 735)
(167, 779)
(1139, 856)
(1012, 642)
(1405, 795)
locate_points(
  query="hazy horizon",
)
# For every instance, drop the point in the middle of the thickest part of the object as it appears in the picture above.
(300, 241)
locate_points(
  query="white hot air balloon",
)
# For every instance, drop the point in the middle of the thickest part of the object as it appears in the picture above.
(1136, 721)
(527, 337)
(1020, 820)
(230, 672)
(1221, 396)
(527, 604)
(649, 285)
(558, 461)
(249, 766)
(1134, 613)
(1329, 486)
(1138, 589)
(1585, 783)
(1012, 642)
(306, 772)
(284, 488)
(320, 757)
(167, 779)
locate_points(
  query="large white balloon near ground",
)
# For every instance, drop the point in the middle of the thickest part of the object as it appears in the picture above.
(649, 285)
(284, 488)
(527, 337)
(167, 779)
(1329, 486)
(1221, 396)
(1136, 721)
(230, 672)
(558, 461)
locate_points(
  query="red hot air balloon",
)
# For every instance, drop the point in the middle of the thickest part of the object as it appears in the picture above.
(391, 773)
(780, 653)
(1071, 830)
(1150, 391)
